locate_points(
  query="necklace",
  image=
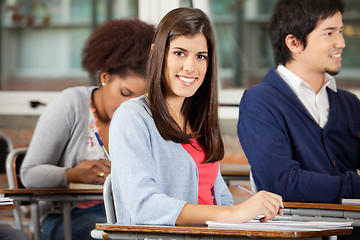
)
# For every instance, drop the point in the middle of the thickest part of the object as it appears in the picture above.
(93, 109)
(101, 126)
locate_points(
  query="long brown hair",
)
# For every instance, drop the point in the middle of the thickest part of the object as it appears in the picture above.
(199, 110)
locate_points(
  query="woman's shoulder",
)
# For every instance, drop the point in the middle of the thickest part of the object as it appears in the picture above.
(132, 113)
(74, 96)
(77, 92)
(70, 100)
(139, 105)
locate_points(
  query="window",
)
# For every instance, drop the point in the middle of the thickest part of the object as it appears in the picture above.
(245, 49)
(42, 40)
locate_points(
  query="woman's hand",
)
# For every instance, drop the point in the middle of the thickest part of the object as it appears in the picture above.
(85, 164)
(87, 171)
(263, 203)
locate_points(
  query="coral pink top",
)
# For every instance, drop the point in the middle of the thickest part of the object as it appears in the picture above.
(207, 172)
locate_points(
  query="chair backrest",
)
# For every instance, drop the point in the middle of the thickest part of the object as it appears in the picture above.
(6, 147)
(252, 183)
(108, 201)
(13, 164)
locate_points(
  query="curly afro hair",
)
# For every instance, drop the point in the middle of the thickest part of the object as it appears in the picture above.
(119, 47)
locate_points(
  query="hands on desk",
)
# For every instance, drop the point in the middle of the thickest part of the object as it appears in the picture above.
(263, 203)
(89, 171)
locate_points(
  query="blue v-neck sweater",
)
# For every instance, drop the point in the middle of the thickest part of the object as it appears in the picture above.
(290, 154)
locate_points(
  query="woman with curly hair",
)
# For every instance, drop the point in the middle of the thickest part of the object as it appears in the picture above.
(64, 148)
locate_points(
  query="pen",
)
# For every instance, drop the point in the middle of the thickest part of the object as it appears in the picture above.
(245, 190)
(102, 145)
(249, 192)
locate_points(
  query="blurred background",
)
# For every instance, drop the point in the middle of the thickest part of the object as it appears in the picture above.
(41, 43)
(41, 40)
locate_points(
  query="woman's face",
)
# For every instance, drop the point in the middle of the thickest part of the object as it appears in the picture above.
(120, 89)
(186, 63)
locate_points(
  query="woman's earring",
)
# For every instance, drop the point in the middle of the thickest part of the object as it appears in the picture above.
(103, 84)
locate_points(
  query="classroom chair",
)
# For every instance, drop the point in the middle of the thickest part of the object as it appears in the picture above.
(13, 164)
(252, 183)
(108, 201)
(6, 147)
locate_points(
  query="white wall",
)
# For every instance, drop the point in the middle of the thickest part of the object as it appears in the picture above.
(18, 102)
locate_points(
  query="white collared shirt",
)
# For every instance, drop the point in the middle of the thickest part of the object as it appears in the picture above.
(316, 104)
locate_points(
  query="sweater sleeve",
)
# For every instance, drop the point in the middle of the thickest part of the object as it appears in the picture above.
(134, 173)
(263, 136)
(40, 168)
(223, 195)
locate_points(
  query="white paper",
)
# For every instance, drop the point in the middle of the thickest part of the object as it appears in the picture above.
(282, 225)
(348, 201)
(85, 186)
(6, 200)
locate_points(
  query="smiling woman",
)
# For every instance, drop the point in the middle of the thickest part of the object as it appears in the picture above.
(166, 146)
(185, 66)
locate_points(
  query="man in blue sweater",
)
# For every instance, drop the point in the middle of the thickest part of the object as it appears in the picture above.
(300, 133)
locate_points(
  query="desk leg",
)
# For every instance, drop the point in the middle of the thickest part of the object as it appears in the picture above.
(67, 219)
(35, 216)
(17, 216)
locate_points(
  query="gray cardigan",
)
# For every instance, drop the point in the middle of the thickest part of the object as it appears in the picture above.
(59, 141)
(152, 178)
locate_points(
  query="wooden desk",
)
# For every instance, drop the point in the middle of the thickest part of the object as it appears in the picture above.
(234, 172)
(115, 231)
(63, 195)
(321, 212)
(329, 206)
(7, 206)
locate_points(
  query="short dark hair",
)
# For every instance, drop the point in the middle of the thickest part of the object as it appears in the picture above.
(199, 110)
(119, 47)
(299, 18)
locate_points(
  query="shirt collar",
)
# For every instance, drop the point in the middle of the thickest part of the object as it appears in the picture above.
(296, 82)
(330, 82)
